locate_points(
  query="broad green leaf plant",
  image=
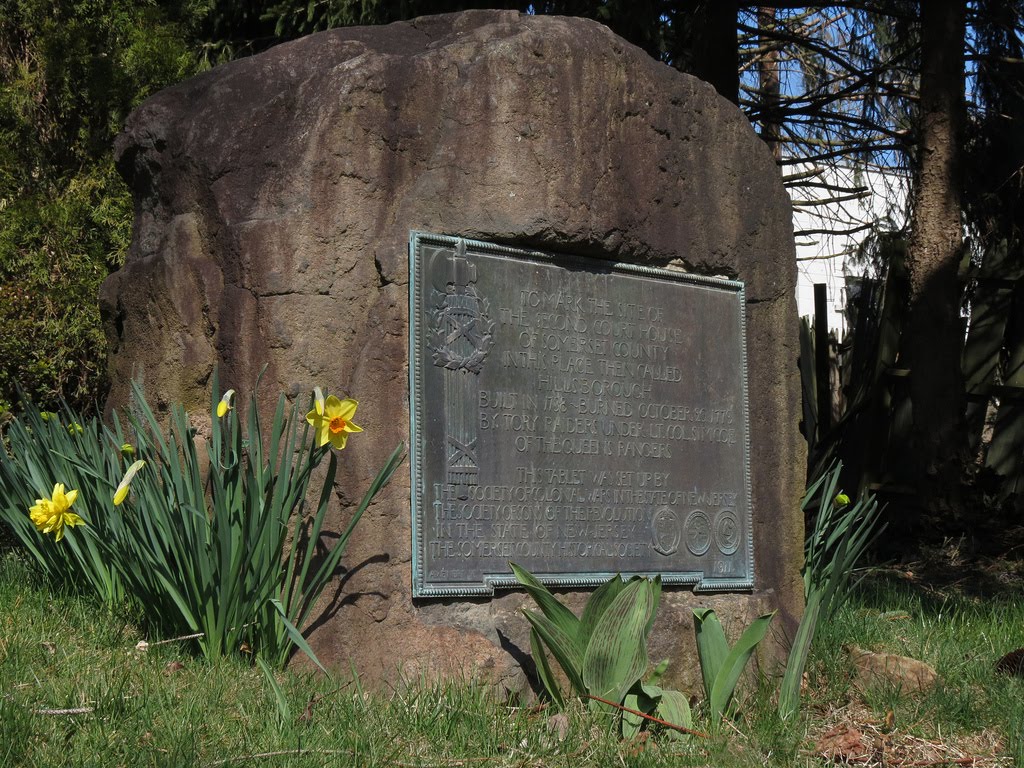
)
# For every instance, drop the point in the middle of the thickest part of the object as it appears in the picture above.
(603, 653)
(721, 665)
(218, 543)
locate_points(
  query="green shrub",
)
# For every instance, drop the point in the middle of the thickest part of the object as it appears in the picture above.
(55, 250)
(70, 72)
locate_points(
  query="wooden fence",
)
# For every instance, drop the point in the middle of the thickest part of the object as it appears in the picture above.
(856, 403)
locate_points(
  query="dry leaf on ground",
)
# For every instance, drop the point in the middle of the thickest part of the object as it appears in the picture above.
(842, 743)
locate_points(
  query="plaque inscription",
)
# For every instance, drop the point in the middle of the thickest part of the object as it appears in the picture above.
(575, 416)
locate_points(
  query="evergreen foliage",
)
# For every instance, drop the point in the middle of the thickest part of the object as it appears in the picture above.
(70, 72)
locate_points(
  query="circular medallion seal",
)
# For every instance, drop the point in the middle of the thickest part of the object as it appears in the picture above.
(698, 532)
(727, 532)
(665, 529)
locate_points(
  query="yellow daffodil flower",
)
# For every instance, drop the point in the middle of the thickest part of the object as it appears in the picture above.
(122, 489)
(842, 499)
(74, 428)
(51, 515)
(225, 404)
(127, 449)
(332, 420)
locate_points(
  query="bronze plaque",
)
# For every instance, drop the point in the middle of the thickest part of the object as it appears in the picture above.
(575, 416)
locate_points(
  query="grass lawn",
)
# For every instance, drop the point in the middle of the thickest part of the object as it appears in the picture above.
(75, 691)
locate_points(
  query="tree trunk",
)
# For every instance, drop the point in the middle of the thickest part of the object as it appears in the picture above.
(933, 338)
(700, 39)
(769, 82)
(716, 53)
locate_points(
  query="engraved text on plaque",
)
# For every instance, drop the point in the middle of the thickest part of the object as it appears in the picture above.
(577, 417)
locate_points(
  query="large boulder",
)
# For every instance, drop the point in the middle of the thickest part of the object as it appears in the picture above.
(274, 201)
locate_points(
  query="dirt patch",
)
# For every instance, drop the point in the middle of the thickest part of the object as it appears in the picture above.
(851, 735)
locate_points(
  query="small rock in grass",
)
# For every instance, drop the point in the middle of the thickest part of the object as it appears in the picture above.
(909, 675)
(558, 726)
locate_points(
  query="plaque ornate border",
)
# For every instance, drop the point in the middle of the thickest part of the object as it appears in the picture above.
(699, 581)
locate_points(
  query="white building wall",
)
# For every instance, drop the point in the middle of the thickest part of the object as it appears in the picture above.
(829, 256)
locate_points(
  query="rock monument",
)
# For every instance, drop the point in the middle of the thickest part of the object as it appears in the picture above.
(275, 197)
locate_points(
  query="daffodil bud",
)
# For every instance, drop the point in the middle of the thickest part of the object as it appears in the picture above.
(122, 489)
(225, 404)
